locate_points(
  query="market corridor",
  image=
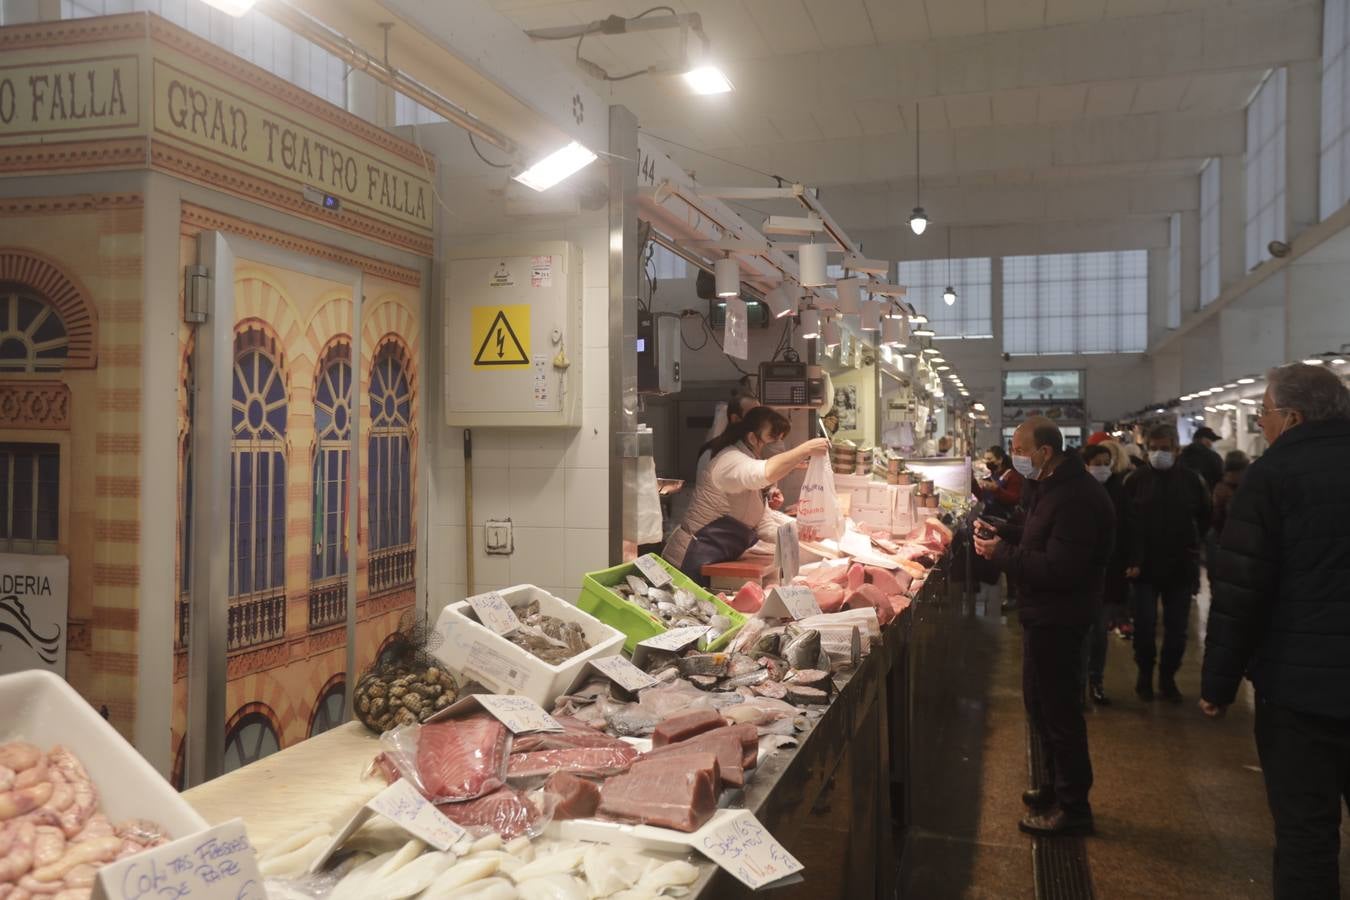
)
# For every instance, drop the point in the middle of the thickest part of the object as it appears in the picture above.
(1178, 799)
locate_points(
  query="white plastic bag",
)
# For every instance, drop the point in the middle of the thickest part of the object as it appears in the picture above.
(818, 516)
(649, 519)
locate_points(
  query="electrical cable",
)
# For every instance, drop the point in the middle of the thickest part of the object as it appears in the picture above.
(474, 145)
(778, 179)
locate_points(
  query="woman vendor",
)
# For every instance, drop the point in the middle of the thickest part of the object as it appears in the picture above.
(729, 512)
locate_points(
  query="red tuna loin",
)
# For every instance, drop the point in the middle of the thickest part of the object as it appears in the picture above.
(726, 747)
(829, 597)
(747, 734)
(749, 598)
(578, 798)
(684, 726)
(506, 811)
(598, 761)
(460, 759)
(677, 792)
(871, 595)
(575, 733)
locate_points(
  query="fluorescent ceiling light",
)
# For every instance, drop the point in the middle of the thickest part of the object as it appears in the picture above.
(235, 8)
(931, 351)
(965, 393)
(1246, 381)
(1248, 400)
(924, 333)
(1231, 384)
(1312, 361)
(1211, 409)
(910, 355)
(557, 166)
(937, 359)
(1160, 411)
(707, 80)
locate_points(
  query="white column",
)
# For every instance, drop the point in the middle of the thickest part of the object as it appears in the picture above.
(1190, 263)
(1303, 146)
(1232, 220)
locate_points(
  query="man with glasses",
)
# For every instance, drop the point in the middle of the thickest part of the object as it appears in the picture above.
(1281, 617)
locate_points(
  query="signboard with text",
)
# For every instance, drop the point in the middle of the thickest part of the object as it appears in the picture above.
(34, 593)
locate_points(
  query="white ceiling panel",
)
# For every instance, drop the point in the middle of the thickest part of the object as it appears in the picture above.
(1015, 15)
(837, 121)
(797, 129)
(1112, 98)
(1159, 95)
(1121, 8)
(732, 31)
(1062, 104)
(784, 25)
(878, 116)
(1016, 107)
(1064, 12)
(896, 21)
(970, 111)
(950, 18)
(841, 23)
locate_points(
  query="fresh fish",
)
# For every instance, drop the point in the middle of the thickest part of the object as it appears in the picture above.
(803, 651)
(746, 680)
(660, 595)
(703, 682)
(708, 609)
(685, 600)
(740, 664)
(767, 644)
(705, 664)
(802, 695)
(637, 585)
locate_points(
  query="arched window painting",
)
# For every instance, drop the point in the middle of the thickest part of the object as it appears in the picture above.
(257, 501)
(328, 713)
(32, 336)
(390, 472)
(251, 738)
(333, 431)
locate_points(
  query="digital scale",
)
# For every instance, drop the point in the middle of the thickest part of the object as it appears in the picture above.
(789, 385)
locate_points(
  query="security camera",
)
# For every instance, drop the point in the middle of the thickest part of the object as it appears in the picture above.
(1278, 249)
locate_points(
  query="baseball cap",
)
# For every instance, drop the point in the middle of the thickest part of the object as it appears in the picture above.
(1097, 437)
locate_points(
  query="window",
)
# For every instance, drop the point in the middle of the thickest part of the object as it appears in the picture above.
(389, 470)
(32, 336)
(666, 266)
(1335, 181)
(1076, 303)
(1210, 282)
(328, 712)
(333, 431)
(30, 496)
(408, 111)
(971, 315)
(1265, 166)
(1174, 271)
(257, 473)
(251, 738)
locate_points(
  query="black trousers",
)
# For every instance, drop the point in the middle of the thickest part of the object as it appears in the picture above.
(1052, 679)
(1306, 763)
(1176, 617)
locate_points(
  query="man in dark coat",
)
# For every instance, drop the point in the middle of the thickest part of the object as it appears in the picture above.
(1168, 509)
(1058, 558)
(1201, 457)
(1281, 617)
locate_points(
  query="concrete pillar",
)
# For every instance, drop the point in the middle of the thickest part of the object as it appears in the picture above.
(1200, 363)
(1190, 263)
(1167, 374)
(370, 99)
(1157, 294)
(1303, 146)
(1316, 309)
(1232, 220)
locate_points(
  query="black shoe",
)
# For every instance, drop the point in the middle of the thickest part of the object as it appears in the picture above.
(1040, 799)
(1099, 695)
(1144, 686)
(1056, 823)
(1167, 689)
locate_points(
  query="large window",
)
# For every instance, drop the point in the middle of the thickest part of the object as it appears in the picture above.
(1174, 271)
(1210, 280)
(1335, 181)
(971, 315)
(1076, 303)
(333, 431)
(32, 336)
(30, 496)
(1265, 164)
(250, 739)
(389, 461)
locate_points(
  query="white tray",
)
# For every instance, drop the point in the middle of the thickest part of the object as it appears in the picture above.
(503, 667)
(37, 706)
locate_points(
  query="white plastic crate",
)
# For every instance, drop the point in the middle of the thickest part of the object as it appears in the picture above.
(482, 654)
(38, 706)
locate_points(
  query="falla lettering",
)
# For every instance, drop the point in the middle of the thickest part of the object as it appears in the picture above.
(394, 192)
(71, 95)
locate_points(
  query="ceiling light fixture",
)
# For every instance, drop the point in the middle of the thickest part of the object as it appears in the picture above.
(918, 319)
(1338, 361)
(1248, 401)
(930, 351)
(556, 167)
(978, 407)
(924, 333)
(727, 274)
(1211, 409)
(892, 334)
(831, 333)
(937, 359)
(850, 295)
(949, 295)
(918, 220)
(235, 8)
(1312, 361)
(1230, 385)
(871, 316)
(810, 323)
(811, 260)
(707, 80)
(944, 368)
(910, 354)
(1246, 381)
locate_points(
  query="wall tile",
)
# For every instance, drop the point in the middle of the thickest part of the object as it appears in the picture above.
(586, 498)
(537, 497)
(539, 557)
(587, 551)
(590, 445)
(491, 494)
(446, 551)
(447, 492)
(595, 377)
(537, 447)
(488, 570)
(595, 317)
(491, 446)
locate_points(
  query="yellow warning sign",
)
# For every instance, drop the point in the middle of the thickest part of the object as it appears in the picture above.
(501, 336)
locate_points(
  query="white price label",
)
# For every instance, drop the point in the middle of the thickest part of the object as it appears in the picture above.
(403, 805)
(743, 846)
(787, 552)
(518, 714)
(675, 638)
(655, 572)
(216, 864)
(494, 612)
(790, 601)
(623, 673)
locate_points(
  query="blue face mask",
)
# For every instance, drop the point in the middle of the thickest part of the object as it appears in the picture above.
(1160, 459)
(1024, 466)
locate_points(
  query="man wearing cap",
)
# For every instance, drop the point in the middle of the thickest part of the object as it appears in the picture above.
(1201, 457)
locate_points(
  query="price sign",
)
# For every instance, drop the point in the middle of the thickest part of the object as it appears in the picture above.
(216, 864)
(623, 673)
(787, 552)
(676, 638)
(741, 845)
(655, 572)
(494, 612)
(790, 601)
(518, 714)
(402, 804)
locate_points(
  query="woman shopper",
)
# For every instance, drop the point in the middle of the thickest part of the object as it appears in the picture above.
(1107, 462)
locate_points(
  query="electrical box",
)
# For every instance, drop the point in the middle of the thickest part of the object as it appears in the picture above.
(512, 345)
(658, 354)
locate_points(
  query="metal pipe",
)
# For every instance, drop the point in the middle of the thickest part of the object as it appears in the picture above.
(360, 59)
(468, 512)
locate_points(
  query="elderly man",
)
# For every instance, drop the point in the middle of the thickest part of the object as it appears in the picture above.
(1281, 617)
(1057, 557)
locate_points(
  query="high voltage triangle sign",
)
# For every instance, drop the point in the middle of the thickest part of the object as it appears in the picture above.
(497, 333)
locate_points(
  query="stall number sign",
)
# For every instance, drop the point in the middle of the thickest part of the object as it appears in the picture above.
(742, 845)
(217, 864)
(33, 598)
(494, 612)
(499, 337)
(409, 810)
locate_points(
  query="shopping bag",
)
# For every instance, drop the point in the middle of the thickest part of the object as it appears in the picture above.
(818, 516)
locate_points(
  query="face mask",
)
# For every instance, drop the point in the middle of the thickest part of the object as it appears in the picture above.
(1101, 473)
(1024, 466)
(1160, 459)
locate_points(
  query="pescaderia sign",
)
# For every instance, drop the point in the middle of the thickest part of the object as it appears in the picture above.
(34, 597)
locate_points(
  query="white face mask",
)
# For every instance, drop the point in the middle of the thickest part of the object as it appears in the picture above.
(1160, 459)
(1101, 473)
(1024, 466)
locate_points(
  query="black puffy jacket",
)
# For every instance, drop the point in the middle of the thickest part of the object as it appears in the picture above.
(1168, 514)
(1281, 608)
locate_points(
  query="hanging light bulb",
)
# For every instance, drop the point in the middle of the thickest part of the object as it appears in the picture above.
(831, 333)
(850, 295)
(810, 323)
(871, 316)
(918, 221)
(811, 264)
(727, 274)
(949, 296)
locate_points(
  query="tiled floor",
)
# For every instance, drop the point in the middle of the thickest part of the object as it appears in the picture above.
(1179, 800)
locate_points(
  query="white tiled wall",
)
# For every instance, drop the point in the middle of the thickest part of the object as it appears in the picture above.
(552, 483)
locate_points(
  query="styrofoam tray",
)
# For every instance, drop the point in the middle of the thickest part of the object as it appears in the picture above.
(38, 706)
(486, 656)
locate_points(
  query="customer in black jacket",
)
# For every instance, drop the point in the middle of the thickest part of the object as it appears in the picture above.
(1201, 457)
(1169, 510)
(1058, 558)
(1107, 463)
(1281, 617)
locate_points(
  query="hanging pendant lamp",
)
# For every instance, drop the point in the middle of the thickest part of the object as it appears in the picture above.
(949, 295)
(918, 220)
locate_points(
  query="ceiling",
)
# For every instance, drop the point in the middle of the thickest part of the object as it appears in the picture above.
(1026, 110)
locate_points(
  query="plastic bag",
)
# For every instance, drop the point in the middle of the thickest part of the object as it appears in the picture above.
(451, 761)
(650, 524)
(406, 684)
(818, 516)
(507, 811)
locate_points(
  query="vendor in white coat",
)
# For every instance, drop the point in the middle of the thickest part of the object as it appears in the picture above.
(730, 512)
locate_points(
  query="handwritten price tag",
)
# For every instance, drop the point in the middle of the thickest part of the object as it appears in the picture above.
(518, 714)
(741, 845)
(787, 551)
(623, 673)
(494, 612)
(795, 601)
(216, 864)
(402, 804)
(655, 572)
(675, 638)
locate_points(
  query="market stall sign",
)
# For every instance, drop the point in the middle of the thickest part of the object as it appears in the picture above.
(494, 612)
(741, 845)
(790, 601)
(81, 95)
(34, 593)
(623, 673)
(656, 573)
(672, 641)
(216, 864)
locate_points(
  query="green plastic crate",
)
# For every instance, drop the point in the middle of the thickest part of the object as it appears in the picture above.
(634, 621)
